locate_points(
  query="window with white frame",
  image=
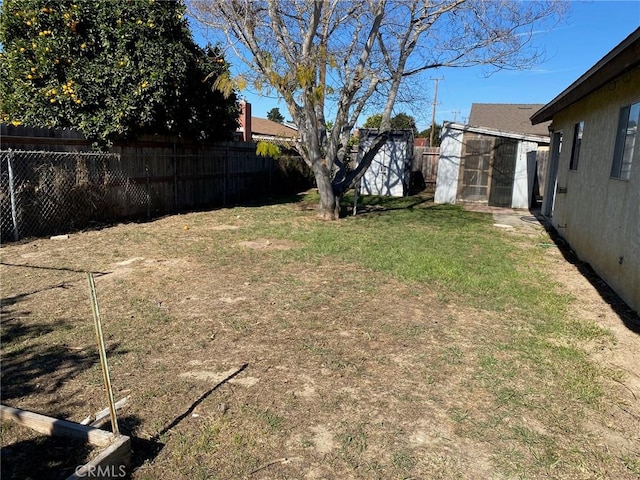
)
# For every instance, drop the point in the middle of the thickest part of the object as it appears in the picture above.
(625, 141)
(575, 149)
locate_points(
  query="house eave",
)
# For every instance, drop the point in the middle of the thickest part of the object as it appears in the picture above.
(622, 59)
(288, 142)
(498, 133)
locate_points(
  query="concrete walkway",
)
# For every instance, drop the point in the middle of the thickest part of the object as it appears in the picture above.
(520, 220)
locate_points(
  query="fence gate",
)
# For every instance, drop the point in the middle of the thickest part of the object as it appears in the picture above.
(45, 193)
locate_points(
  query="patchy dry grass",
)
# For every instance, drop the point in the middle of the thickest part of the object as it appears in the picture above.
(414, 341)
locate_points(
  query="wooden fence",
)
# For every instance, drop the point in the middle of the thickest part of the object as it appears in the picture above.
(179, 174)
(425, 168)
(173, 175)
(180, 177)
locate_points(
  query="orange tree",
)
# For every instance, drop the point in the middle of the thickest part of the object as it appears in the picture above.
(111, 69)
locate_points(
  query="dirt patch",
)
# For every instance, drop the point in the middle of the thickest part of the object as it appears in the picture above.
(224, 227)
(350, 373)
(129, 262)
(213, 378)
(263, 243)
(323, 440)
(623, 357)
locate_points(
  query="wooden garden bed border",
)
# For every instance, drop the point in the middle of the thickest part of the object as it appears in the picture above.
(107, 464)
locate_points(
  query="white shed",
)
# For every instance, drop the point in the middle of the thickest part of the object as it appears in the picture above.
(479, 164)
(390, 170)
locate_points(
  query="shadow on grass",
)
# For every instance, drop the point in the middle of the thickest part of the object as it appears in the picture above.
(28, 365)
(193, 406)
(377, 204)
(60, 456)
(627, 316)
(59, 269)
(43, 369)
(14, 330)
(9, 301)
(43, 457)
(434, 213)
(144, 451)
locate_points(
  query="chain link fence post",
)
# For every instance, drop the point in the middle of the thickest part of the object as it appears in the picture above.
(12, 195)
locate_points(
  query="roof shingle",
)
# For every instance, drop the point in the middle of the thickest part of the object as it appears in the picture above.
(507, 117)
(262, 126)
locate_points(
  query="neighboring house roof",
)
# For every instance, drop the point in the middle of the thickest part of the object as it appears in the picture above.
(262, 128)
(507, 117)
(623, 58)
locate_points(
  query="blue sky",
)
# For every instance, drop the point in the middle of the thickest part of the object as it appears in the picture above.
(590, 31)
(573, 47)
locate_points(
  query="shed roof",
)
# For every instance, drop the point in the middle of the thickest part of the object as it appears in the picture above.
(529, 137)
(623, 58)
(507, 117)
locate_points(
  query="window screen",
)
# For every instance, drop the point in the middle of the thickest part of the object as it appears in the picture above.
(577, 142)
(625, 141)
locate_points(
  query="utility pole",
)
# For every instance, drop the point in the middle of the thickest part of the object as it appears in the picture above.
(433, 114)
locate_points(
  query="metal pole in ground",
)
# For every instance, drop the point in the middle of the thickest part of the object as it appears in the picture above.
(12, 194)
(146, 171)
(225, 185)
(103, 352)
(355, 200)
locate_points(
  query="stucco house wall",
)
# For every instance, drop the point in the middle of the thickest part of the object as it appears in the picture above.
(598, 215)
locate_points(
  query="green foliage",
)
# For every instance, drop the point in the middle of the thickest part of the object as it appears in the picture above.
(110, 69)
(426, 133)
(268, 149)
(374, 121)
(275, 116)
(401, 121)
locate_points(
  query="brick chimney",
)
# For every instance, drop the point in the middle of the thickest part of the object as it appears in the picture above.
(245, 121)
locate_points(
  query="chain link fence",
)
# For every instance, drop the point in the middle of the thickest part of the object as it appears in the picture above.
(47, 193)
(50, 192)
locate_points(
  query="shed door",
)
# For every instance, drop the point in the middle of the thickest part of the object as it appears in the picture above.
(503, 172)
(475, 169)
(389, 170)
(375, 178)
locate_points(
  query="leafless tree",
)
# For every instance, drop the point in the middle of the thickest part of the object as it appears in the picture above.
(340, 56)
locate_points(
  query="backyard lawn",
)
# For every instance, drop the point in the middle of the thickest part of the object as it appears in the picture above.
(413, 341)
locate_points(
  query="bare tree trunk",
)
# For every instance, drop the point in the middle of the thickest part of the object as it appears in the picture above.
(329, 207)
(355, 53)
